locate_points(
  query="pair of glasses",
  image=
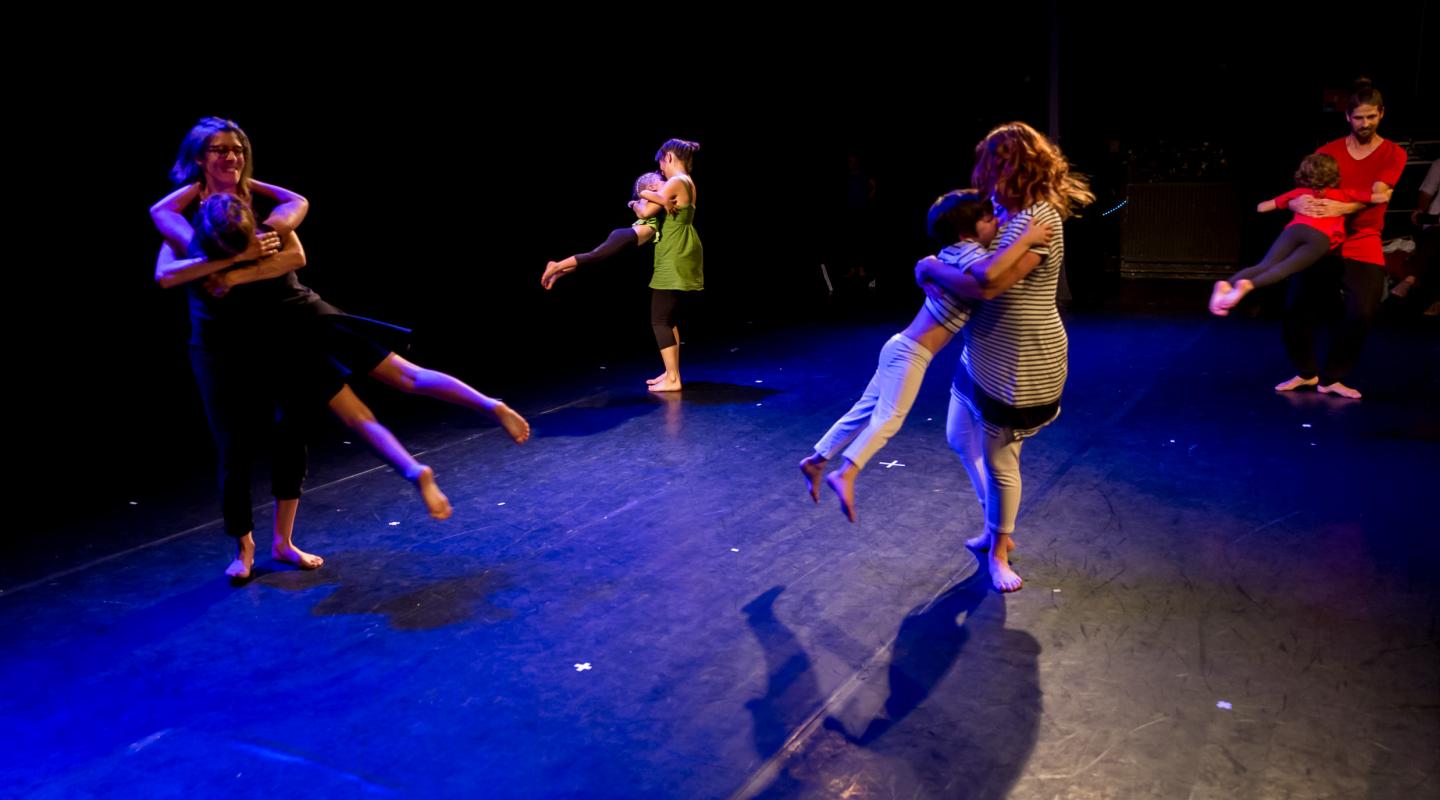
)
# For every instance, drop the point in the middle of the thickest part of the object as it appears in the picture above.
(220, 150)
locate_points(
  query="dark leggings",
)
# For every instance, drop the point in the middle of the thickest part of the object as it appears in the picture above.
(237, 409)
(618, 240)
(667, 308)
(1312, 295)
(1297, 247)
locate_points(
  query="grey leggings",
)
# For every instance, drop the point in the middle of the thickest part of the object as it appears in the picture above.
(992, 461)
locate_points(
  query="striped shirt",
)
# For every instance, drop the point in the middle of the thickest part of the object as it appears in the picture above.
(1016, 351)
(949, 310)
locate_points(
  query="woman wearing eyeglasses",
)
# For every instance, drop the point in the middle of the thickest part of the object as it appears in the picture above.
(261, 340)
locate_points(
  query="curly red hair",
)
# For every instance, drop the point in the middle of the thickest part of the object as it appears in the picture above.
(1016, 163)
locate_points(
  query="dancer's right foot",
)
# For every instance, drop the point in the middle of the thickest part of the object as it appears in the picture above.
(435, 500)
(1294, 383)
(1221, 289)
(290, 554)
(1233, 297)
(553, 271)
(657, 379)
(244, 564)
(513, 423)
(842, 483)
(1338, 388)
(1002, 577)
(812, 467)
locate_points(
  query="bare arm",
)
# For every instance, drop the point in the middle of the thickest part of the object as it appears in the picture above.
(171, 271)
(1317, 207)
(995, 271)
(990, 277)
(670, 195)
(168, 218)
(291, 210)
(289, 259)
(648, 205)
(1380, 193)
(1006, 269)
(1268, 205)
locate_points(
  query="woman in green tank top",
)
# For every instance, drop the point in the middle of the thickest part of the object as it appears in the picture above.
(679, 259)
(679, 270)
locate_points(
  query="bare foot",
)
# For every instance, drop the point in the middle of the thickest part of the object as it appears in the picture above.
(1221, 289)
(842, 483)
(290, 554)
(1234, 296)
(553, 271)
(435, 500)
(1294, 383)
(1403, 287)
(656, 379)
(666, 385)
(812, 467)
(513, 423)
(1002, 577)
(1341, 389)
(1433, 310)
(244, 564)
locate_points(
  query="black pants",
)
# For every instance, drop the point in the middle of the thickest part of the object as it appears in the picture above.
(239, 404)
(618, 240)
(668, 307)
(1298, 247)
(1313, 295)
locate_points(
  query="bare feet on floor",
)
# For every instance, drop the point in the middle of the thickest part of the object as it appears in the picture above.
(1002, 577)
(244, 564)
(1338, 388)
(290, 554)
(1294, 383)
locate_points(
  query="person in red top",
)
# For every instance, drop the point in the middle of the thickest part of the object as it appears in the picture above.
(1305, 240)
(1365, 159)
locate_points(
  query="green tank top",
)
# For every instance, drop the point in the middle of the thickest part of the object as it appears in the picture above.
(679, 257)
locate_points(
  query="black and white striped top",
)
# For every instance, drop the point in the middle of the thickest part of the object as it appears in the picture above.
(949, 310)
(1016, 352)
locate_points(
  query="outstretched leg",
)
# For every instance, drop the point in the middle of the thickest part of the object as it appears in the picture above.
(618, 240)
(411, 378)
(360, 419)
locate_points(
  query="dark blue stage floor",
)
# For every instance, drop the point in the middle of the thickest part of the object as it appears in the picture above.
(1229, 593)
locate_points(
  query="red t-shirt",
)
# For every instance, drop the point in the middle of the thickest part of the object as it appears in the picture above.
(1333, 227)
(1362, 229)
